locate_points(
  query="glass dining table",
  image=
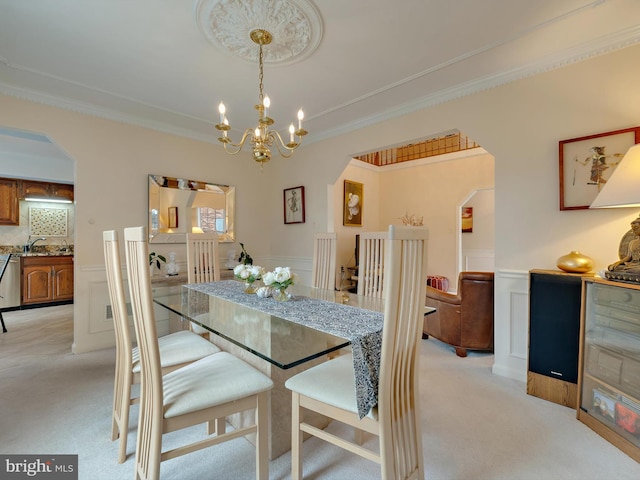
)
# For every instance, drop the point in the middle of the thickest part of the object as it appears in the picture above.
(269, 333)
(282, 339)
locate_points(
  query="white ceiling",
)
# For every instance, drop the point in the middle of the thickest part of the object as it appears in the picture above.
(146, 61)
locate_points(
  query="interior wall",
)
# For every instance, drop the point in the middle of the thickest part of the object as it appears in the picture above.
(113, 161)
(434, 191)
(482, 237)
(520, 124)
(372, 197)
(477, 248)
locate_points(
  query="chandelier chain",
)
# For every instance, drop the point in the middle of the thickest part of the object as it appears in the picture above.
(261, 86)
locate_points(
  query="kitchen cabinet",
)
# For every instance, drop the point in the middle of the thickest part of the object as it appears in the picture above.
(609, 372)
(46, 190)
(47, 279)
(9, 206)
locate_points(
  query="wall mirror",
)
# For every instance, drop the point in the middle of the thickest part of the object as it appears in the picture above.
(178, 206)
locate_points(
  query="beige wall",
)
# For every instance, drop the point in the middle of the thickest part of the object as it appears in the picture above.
(430, 189)
(112, 161)
(520, 124)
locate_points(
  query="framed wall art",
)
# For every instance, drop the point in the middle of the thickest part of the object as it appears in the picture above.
(293, 205)
(467, 219)
(586, 163)
(173, 217)
(353, 204)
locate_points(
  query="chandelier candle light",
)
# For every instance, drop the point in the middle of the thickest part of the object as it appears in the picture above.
(261, 137)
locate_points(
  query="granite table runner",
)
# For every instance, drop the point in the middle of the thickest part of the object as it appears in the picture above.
(363, 328)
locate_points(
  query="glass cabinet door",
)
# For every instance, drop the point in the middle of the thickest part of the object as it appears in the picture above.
(610, 389)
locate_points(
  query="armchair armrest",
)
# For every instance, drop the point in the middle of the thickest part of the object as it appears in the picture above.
(440, 296)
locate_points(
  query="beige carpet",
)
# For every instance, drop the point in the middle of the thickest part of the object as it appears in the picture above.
(475, 425)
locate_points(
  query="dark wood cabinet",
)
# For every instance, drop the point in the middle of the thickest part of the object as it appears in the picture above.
(46, 190)
(14, 189)
(47, 279)
(9, 207)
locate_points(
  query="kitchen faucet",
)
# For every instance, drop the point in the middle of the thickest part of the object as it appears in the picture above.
(29, 246)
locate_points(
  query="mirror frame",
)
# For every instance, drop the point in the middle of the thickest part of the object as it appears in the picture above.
(161, 182)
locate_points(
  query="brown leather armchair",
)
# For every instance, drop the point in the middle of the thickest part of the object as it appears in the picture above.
(465, 320)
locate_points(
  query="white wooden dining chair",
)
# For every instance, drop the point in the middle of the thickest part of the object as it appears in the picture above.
(371, 261)
(176, 349)
(323, 271)
(203, 265)
(211, 388)
(329, 388)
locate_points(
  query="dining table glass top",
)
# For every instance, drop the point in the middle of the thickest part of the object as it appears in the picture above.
(264, 326)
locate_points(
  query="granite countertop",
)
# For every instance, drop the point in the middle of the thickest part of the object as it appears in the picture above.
(37, 251)
(43, 254)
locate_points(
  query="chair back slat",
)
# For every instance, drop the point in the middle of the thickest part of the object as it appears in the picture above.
(203, 261)
(323, 272)
(398, 390)
(371, 264)
(151, 395)
(115, 284)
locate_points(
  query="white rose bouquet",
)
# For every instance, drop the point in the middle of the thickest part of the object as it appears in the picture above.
(280, 278)
(248, 273)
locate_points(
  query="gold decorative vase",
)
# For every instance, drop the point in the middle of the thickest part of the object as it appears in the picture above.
(575, 262)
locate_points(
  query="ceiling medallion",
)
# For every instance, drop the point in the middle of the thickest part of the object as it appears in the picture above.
(295, 25)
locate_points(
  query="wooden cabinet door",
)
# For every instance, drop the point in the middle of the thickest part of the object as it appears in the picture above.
(63, 191)
(35, 189)
(32, 188)
(63, 282)
(36, 284)
(9, 210)
(47, 279)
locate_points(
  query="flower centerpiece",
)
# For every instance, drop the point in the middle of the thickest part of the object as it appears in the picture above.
(279, 280)
(248, 274)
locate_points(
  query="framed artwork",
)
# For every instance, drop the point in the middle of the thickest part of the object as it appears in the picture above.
(586, 163)
(293, 205)
(353, 204)
(467, 219)
(173, 217)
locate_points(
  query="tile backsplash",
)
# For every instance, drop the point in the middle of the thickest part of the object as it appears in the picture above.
(50, 219)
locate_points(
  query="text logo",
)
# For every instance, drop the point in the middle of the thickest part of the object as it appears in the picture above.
(49, 467)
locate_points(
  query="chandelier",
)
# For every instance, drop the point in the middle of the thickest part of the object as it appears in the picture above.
(260, 137)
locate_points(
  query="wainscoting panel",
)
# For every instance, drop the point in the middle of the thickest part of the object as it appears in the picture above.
(511, 324)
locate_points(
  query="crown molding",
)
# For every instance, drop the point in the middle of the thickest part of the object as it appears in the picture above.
(105, 113)
(586, 51)
(603, 45)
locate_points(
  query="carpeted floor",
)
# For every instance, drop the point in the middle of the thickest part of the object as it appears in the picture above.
(475, 425)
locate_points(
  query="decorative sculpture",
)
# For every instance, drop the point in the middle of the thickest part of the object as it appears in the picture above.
(627, 268)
